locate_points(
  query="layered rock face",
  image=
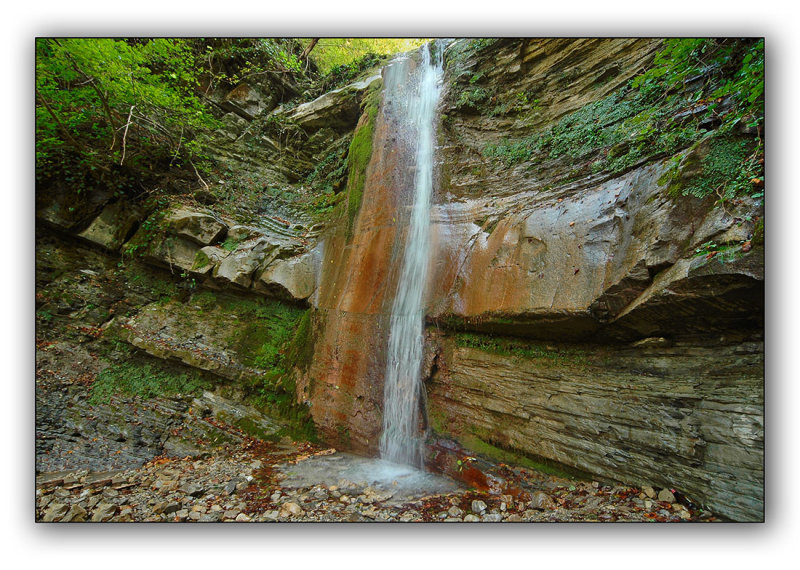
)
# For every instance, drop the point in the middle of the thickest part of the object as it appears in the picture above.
(684, 416)
(576, 313)
(552, 249)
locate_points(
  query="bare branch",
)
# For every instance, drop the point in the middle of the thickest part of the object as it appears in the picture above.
(125, 136)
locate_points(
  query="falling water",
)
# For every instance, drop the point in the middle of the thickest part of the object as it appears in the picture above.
(400, 441)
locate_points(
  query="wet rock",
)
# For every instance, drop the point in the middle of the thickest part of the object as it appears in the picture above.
(338, 108)
(238, 267)
(292, 279)
(196, 226)
(113, 225)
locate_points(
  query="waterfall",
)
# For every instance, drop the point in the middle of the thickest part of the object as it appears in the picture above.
(400, 441)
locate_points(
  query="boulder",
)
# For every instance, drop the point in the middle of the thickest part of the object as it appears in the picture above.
(293, 279)
(196, 226)
(174, 252)
(242, 263)
(339, 108)
(114, 225)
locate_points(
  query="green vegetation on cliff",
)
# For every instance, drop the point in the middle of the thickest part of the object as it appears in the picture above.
(336, 56)
(696, 88)
(271, 339)
(104, 104)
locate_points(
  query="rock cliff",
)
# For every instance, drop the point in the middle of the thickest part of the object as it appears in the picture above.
(578, 310)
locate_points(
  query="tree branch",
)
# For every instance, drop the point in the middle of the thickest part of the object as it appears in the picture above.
(91, 81)
(308, 49)
(70, 139)
(125, 136)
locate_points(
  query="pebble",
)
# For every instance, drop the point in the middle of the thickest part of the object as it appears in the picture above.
(478, 506)
(541, 500)
(455, 511)
(291, 509)
(666, 496)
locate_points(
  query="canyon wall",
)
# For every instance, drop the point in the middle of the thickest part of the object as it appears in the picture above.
(579, 309)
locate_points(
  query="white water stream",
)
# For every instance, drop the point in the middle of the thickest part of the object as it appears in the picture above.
(400, 441)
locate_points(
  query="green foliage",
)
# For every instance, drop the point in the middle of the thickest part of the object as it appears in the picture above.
(329, 174)
(470, 99)
(723, 253)
(345, 73)
(44, 315)
(200, 260)
(726, 170)
(330, 53)
(103, 102)
(143, 380)
(233, 60)
(727, 68)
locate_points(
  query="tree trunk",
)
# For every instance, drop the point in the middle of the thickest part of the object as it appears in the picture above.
(308, 49)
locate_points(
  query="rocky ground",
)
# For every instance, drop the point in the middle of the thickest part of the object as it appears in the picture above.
(247, 482)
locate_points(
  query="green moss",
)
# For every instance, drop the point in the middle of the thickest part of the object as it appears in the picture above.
(758, 232)
(359, 156)
(301, 349)
(344, 435)
(144, 380)
(273, 338)
(139, 278)
(206, 300)
(230, 244)
(500, 455)
(267, 325)
(521, 348)
(200, 260)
